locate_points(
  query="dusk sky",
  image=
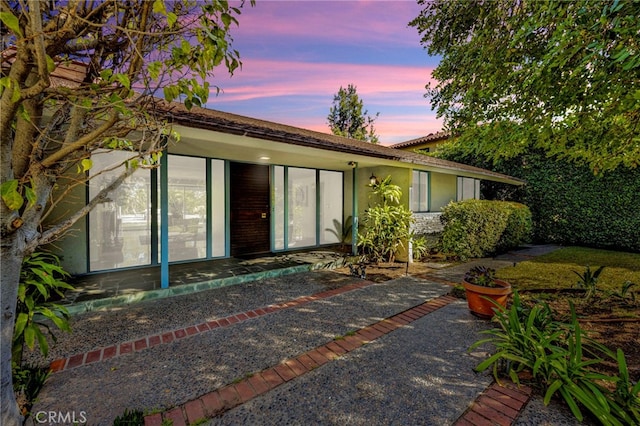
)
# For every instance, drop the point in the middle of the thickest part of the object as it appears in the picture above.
(297, 54)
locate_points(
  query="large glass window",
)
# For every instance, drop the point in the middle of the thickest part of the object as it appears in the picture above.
(120, 227)
(218, 208)
(468, 188)
(301, 191)
(420, 191)
(330, 207)
(278, 208)
(187, 208)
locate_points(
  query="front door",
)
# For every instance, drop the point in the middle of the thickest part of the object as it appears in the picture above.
(250, 225)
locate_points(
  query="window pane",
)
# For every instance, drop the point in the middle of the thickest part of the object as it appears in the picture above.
(218, 208)
(278, 207)
(330, 207)
(302, 207)
(424, 192)
(120, 228)
(187, 208)
(415, 191)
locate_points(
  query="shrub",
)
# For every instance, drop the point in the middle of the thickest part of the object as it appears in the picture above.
(387, 225)
(477, 228)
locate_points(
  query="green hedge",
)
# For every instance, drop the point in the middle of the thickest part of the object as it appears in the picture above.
(477, 228)
(569, 204)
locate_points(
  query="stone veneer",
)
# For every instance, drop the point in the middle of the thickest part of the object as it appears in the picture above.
(427, 223)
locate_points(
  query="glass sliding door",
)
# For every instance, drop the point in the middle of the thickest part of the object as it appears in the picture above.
(187, 205)
(301, 189)
(120, 228)
(331, 205)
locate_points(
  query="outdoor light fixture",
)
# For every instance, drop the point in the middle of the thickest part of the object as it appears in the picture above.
(373, 179)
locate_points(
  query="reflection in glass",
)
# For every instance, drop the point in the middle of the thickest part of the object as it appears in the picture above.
(301, 207)
(330, 207)
(187, 208)
(120, 227)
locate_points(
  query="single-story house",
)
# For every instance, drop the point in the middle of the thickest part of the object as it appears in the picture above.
(238, 186)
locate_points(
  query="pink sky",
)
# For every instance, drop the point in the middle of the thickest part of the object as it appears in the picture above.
(297, 54)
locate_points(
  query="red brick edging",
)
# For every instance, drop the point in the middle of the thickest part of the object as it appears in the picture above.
(232, 395)
(499, 404)
(119, 349)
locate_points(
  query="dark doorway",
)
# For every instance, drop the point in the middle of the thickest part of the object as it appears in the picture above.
(250, 224)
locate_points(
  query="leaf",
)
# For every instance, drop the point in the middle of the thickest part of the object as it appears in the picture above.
(10, 194)
(124, 80)
(30, 195)
(11, 21)
(86, 164)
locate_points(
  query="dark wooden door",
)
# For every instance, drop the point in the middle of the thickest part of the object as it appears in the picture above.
(250, 225)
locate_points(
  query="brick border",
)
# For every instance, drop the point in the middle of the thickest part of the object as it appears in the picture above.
(499, 404)
(143, 343)
(235, 394)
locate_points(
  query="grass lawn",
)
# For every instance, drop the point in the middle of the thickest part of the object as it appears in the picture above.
(555, 270)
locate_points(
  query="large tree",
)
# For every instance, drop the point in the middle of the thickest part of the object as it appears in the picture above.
(347, 117)
(559, 75)
(79, 76)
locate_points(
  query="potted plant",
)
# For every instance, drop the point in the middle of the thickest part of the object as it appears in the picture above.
(482, 287)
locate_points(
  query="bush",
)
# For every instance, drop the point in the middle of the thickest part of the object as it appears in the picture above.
(477, 228)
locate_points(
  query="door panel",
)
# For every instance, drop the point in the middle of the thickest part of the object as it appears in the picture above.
(250, 224)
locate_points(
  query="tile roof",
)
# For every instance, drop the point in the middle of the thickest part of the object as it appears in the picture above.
(209, 119)
(431, 137)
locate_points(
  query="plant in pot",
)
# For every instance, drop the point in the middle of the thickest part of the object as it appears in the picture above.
(482, 289)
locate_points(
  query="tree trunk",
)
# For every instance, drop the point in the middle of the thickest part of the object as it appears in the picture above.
(11, 262)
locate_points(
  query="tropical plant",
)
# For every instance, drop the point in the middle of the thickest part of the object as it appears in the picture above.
(562, 359)
(482, 276)
(27, 384)
(41, 279)
(130, 418)
(342, 231)
(387, 226)
(589, 281)
(419, 247)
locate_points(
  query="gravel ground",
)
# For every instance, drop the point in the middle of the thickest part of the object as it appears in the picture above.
(420, 374)
(170, 374)
(416, 375)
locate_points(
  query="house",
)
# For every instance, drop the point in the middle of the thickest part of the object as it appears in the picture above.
(235, 186)
(427, 143)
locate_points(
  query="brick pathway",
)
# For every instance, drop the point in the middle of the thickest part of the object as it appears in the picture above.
(119, 349)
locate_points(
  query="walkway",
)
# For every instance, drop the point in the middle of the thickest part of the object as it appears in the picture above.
(309, 348)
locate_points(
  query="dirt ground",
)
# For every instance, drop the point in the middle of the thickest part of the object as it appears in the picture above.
(614, 323)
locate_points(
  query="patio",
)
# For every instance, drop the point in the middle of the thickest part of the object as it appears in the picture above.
(126, 286)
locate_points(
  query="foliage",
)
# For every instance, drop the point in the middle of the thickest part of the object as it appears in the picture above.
(130, 418)
(589, 281)
(419, 247)
(569, 205)
(625, 293)
(346, 117)
(387, 226)
(477, 228)
(41, 278)
(557, 75)
(562, 359)
(27, 384)
(78, 78)
(342, 231)
(482, 276)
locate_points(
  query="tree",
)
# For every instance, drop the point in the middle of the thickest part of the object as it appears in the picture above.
(347, 119)
(51, 122)
(557, 75)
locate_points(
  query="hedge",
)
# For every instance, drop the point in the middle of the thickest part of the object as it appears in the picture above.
(569, 204)
(478, 228)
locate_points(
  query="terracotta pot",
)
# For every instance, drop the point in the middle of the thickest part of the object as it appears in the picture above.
(476, 294)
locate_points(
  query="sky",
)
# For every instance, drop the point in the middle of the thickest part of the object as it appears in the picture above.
(297, 54)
